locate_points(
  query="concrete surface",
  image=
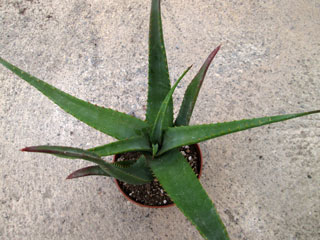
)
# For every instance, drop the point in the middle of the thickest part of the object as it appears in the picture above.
(265, 182)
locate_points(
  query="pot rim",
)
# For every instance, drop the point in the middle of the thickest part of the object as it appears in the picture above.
(162, 206)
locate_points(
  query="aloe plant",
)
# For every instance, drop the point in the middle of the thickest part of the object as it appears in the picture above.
(158, 137)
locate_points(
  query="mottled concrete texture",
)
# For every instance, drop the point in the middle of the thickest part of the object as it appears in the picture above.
(265, 182)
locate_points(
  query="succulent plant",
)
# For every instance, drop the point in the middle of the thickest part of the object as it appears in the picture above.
(158, 137)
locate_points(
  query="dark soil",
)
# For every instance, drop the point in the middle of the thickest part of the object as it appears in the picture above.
(152, 194)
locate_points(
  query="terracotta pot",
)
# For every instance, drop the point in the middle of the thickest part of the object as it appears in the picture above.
(162, 206)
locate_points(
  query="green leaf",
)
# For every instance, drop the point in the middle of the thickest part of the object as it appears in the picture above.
(159, 82)
(179, 181)
(137, 173)
(88, 171)
(192, 92)
(96, 170)
(108, 121)
(159, 125)
(127, 145)
(68, 152)
(186, 135)
(155, 148)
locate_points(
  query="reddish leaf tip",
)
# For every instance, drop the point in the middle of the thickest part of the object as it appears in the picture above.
(73, 175)
(79, 173)
(30, 149)
(215, 51)
(69, 177)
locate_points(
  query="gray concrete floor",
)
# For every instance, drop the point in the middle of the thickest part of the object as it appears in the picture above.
(265, 182)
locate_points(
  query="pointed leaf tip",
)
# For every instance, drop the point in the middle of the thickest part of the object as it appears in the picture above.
(71, 176)
(126, 125)
(185, 135)
(156, 133)
(32, 149)
(158, 74)
(191, 94)
(210, 58)
(178, 179)
(87, 171)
